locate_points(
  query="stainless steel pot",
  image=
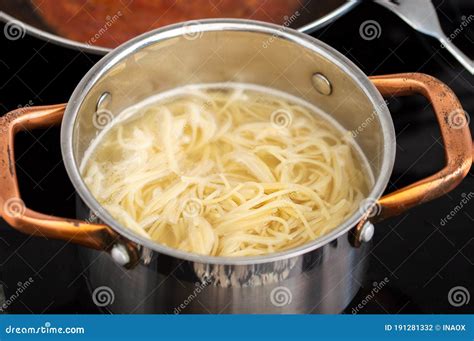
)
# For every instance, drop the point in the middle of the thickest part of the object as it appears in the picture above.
(145, 277)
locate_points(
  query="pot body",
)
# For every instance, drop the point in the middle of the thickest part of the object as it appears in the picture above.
(322, 276)
(324, 280)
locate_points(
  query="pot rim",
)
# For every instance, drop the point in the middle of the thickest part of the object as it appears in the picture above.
(308, 42)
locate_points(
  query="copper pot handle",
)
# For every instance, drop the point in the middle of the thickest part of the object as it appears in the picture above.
(456, 138)
(12, 207)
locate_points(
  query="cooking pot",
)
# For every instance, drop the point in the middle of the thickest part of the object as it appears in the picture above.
(131, 274)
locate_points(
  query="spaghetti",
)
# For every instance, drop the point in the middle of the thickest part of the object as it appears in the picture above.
(226, 170)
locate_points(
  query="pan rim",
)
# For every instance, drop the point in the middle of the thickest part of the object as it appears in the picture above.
(100, 50)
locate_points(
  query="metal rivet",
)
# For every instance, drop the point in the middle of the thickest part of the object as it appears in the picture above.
(322, 84)
(103, 101)
(120, 254)
(147, 255)
(367, 232)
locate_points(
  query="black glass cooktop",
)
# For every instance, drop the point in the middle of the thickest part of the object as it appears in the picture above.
(421, 257)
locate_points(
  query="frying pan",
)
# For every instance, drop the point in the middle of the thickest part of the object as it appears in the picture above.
(313, 14)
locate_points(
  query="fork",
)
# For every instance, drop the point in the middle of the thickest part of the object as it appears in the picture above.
(422, 16)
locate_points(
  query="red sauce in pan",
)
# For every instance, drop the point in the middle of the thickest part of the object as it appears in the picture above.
(112, 22)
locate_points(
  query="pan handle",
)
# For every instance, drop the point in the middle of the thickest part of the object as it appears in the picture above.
(13, 209)
(454, 128)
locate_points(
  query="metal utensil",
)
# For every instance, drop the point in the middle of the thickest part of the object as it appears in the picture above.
(422, 16)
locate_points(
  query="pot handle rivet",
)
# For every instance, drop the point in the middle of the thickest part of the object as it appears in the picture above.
(120, 254)
(103, 101)
(321, 84)
(367, 232)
